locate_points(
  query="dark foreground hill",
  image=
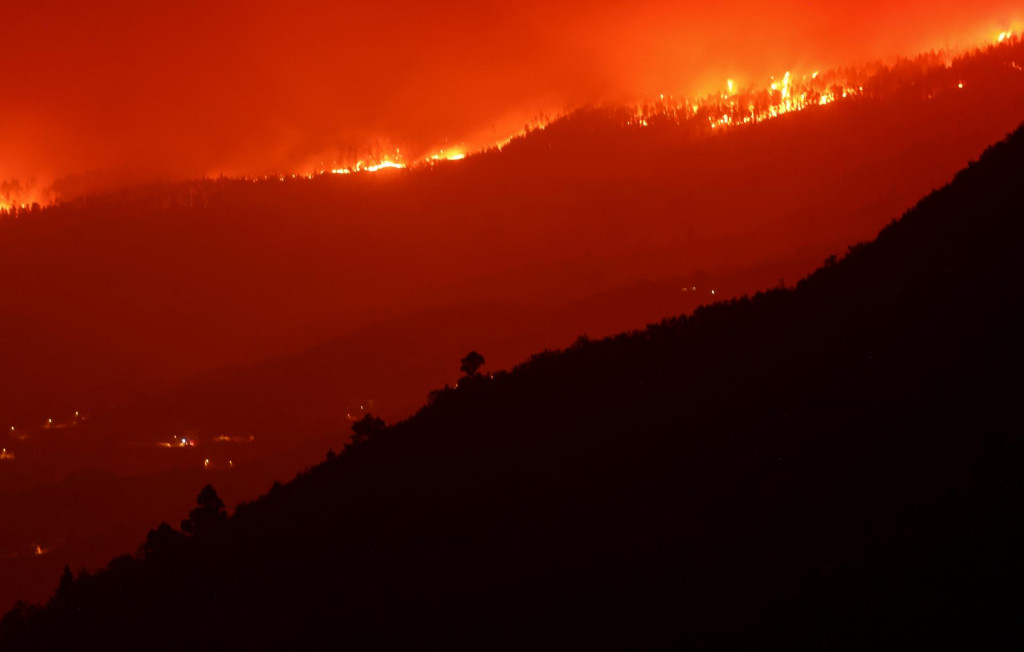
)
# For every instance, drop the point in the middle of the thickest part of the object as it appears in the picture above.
(231, 309)
(833, 466)
(107, 296)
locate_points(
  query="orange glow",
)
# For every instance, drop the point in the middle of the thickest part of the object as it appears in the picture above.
(734, 105)
(384, 165)
(394, 162)
(400, 179)
(730, 107)
(178, 442)
(397, 162)
(226, 439)
(150, 106)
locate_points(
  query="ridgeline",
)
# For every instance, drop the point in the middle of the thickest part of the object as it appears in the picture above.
(835, 465)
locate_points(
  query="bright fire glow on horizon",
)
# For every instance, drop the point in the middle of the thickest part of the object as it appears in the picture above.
(306, 200)
(733, 106)
(245, 112)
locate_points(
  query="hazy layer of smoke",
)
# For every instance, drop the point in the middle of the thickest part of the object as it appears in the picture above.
(120, 91)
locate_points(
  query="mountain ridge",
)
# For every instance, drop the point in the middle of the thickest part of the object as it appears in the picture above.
(833, 464)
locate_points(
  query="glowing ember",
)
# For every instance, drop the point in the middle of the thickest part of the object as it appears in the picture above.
(178, 442)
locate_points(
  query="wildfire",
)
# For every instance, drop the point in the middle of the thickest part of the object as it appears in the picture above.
(17, 197)
(7, 206)
(731, 106)
(752, 105)
(397, 162)
(178, 442)
(386, 164)
(457, 155)
(234, 440)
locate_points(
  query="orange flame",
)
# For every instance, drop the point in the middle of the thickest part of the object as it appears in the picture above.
(729, 107)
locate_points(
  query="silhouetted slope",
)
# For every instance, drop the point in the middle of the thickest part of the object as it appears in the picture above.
(154, 285)
(143, 296)
(835, 466)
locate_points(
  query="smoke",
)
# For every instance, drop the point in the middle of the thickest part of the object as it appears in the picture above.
(135, 91)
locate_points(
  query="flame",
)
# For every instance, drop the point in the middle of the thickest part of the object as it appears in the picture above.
(17, 197)
(178, 442)
(385, 165)
(398, 162)
(451, 155)
(725, 108)
(751, 105)
(779, 96)
(735, 106)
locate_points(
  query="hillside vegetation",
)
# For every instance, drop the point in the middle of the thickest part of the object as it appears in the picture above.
(830, 466)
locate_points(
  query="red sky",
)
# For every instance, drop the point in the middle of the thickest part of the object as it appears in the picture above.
(133, 90)
(196, 87)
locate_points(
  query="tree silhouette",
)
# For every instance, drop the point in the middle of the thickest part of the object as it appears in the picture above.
(162, 544)
(471, 363)
(365, 428)
(209, 516)
(66, 580)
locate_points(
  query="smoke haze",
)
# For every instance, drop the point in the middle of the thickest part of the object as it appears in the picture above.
(117, 91)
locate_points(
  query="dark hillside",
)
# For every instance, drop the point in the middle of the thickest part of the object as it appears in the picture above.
(832, 466)
(250, 316)
(104, 295)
